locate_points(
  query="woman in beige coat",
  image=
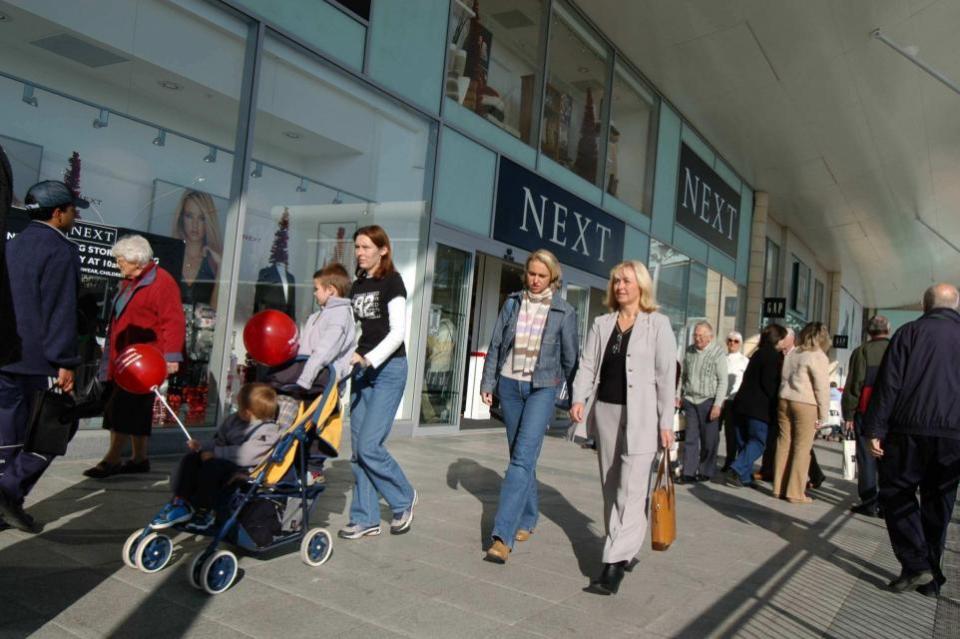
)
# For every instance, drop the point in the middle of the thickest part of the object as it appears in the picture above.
(804, 404)
(625, 389)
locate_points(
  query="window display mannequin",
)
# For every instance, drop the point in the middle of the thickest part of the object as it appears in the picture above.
(276, 289)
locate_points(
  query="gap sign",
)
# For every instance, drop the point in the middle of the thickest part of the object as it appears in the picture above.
(533, 213)
(706, 205)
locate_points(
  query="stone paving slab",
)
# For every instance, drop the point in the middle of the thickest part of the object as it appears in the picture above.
(744, 564)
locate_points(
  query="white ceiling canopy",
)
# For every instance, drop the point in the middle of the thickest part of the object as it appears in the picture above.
(852, 141)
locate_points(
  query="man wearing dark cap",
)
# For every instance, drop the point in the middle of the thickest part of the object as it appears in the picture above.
(857, 390)
(44, 269)
(913, 422)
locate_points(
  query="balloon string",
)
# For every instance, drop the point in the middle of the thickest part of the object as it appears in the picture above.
(163, 401)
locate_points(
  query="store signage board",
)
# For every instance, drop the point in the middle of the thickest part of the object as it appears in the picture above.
(775, 307)
(706, 205)
(533, 213)
(95, 241)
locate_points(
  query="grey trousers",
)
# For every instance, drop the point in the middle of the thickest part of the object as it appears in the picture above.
(702, 440)
(625, 479)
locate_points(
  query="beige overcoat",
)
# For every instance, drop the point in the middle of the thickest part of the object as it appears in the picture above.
(651, 377)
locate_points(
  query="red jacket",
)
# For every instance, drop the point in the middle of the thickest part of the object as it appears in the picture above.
(146, 310)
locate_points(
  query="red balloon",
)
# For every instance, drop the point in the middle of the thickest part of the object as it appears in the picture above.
(271, 337)
(140, 368)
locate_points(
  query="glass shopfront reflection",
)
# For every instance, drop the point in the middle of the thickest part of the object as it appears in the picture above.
(145, 131)
(447, 328)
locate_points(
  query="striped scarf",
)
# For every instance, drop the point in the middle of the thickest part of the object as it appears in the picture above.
(530, 323)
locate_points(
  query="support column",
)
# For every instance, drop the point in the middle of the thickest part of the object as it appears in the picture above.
(758, 251)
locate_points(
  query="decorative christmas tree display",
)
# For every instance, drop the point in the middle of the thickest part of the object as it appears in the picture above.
(71, 175)
(475, 69)
(586, 163)
(278, 252)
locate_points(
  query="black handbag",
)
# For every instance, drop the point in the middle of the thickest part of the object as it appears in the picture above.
(52, 423)
(90, 402)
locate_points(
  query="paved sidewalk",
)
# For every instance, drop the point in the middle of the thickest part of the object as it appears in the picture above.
(744, 565)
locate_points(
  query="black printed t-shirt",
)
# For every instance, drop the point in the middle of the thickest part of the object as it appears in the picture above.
(370, 297)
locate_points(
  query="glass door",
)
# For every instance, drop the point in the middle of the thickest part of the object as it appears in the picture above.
(447, 324)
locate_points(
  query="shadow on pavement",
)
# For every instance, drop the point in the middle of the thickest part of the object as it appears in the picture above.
(484, 484)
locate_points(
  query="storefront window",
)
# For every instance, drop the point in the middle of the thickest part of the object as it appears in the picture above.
(572, 104)
(447, 327)
(630, 147)
(329, 156)
(771, 270)
(144, 129)
(669, 270)
(817, 301)
(494, 61)
(732, 310)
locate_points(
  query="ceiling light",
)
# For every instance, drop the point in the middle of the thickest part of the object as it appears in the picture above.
(169, 84)
(161, 139)
(5, 18)
(302, 187)
(257, 170)
(337, 199)
(211, 156)
(28, 95)
(102, 120)
(293, 135)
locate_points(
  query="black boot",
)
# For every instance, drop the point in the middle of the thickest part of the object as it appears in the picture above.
(608, 583)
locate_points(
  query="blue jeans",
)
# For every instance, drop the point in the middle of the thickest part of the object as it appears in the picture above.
(756, 441)
(374, 399)
(527, 412)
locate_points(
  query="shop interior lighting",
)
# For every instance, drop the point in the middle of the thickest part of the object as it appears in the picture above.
(102, 120)
(161, 139)
(257, 170)
(211, 156)
(302, 187)
(28, 95)
(337, 199)
(911, 54)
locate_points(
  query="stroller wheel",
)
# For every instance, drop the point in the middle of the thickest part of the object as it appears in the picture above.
(218, 572)
(154, 552)
(130, 548)
(194, 569)
(316, 547)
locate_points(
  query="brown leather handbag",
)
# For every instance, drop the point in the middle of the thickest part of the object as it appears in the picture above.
(663, 510)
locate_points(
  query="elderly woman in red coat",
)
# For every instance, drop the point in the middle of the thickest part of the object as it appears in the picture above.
(145, 310)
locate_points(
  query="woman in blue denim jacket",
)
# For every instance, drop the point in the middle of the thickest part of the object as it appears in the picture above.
(532, 353)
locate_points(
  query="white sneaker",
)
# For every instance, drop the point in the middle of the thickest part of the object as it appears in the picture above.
(356, 531)
(401, 523)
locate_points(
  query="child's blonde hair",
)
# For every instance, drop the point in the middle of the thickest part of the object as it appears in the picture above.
(259, 399)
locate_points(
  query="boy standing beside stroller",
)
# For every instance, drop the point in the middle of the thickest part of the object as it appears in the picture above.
(242, 442)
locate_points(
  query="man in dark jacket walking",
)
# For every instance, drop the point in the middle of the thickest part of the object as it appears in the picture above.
(913, 422)
(44, 269)
(864, 365)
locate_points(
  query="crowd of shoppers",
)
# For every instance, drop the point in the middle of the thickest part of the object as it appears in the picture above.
(898, 400)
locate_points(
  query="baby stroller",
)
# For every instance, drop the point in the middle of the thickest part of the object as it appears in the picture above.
(279, 480)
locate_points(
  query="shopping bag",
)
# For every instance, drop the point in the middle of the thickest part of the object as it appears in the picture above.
(849, 458)
(52, 423)
(663, 513)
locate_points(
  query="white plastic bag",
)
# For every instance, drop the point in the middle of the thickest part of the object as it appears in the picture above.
(849, 459)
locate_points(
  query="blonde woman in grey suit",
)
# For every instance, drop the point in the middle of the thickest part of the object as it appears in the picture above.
(625, 389)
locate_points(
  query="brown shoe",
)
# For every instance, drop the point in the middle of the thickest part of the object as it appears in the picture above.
(497, 552)
(523, 535)
(758, 476)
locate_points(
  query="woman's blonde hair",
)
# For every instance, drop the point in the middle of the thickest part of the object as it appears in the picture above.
(211, 224)
(648, 301)
(814, 335)
(549, 260)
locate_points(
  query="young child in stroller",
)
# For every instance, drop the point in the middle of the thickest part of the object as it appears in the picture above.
(243, 440)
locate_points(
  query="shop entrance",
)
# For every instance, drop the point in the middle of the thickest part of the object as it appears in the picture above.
(468, 289)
